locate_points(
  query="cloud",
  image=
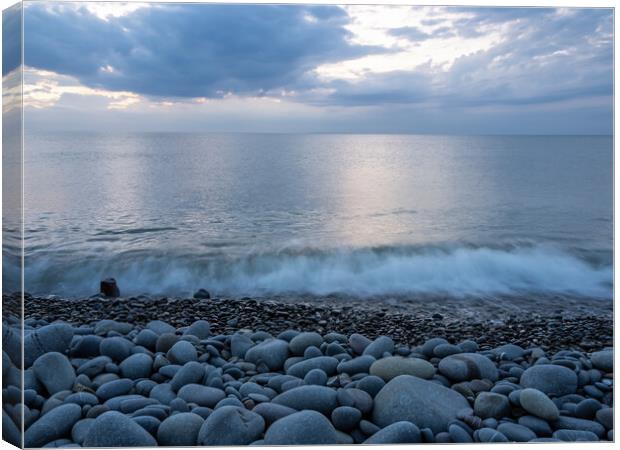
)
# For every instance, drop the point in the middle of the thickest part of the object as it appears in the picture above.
(188, 50)
(487, 64)
(11, 39)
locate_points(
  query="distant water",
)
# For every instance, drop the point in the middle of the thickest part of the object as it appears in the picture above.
(260, 214)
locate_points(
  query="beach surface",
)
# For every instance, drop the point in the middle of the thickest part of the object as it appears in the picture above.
(146, 371)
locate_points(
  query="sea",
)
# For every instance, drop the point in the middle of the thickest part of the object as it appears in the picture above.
(316, 214)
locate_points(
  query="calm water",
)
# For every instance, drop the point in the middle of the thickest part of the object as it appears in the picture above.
(252, 214)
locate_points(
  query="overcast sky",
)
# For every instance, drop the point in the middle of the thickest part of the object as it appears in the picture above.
(296, 68)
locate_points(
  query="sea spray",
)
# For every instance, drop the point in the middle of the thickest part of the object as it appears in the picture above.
(452, 270)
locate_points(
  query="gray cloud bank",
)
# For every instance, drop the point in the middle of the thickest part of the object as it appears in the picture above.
(183, 51)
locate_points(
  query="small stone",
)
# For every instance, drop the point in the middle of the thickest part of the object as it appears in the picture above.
(180, 430)
(575, 436)
(371, 384)
(160, 327)
(116, 348)
(55, 424)
(606, 417)
(361, 364)
(443, 350)
(231, 425)
(393, 366)
(316, 376)
(201, 395)
(327, 364)
(381, 345)
(429, 346)
(272, 412)
(302, 428)
(240, 344)
(302, 341)
(165, 342)
(54, 371)
(50, 338)
(537, 403)
(202, 294)
(490, 435)
(468, 366)
(113, 429)
(422, 402)
(317, 398)
(459, 435)
(603, 360)
(147, 339)
(200, 328)
(137, 366)
(109, 288)
(489, 404)
(346, 418)
(396, 433)
(271, 352)
(191, 373)
(573, 423)
(358, 343)
(551, 379)
(586, 409)
(114, 388)
(515, 432)
(80, 430)
(182, 352)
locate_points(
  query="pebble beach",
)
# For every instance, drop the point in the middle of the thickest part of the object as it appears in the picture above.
(148, 371)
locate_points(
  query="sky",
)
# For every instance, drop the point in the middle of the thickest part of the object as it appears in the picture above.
(303, 68)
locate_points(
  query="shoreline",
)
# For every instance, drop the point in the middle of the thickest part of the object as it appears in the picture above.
(124, 372)
(552, 323)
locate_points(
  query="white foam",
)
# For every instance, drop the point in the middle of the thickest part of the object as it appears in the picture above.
(454, 271)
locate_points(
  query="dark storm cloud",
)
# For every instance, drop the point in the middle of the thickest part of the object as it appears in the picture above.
(11, 39)
(189, 50)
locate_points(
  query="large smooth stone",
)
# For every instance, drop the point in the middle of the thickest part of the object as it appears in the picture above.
(603, 360)
(358, 343)
(551, 379)
(113, 429)
(272, 411)
(271, 352)
(114, 388)
(54, 371)
(10, 432)
(180, 430)
(200, 328)
(160, 327)
(388, 368)
(572, 423)
(379, 346)
(491, 404)
(397, 433)
(231, 425)
(468, 366)
(191, 373)
(136, 366)
(302, 341)
(301, 428)
(317, 398)
(326, 363)
(182, 352)
(201, 395)
(11, 344)
(117, 348)
(240, 344)
(412, 399)
(50, 338)
(538, 404)
(53, 425)
(361, 364)
(515, 432)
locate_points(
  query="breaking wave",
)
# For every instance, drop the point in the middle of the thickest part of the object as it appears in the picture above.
(457, 271)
